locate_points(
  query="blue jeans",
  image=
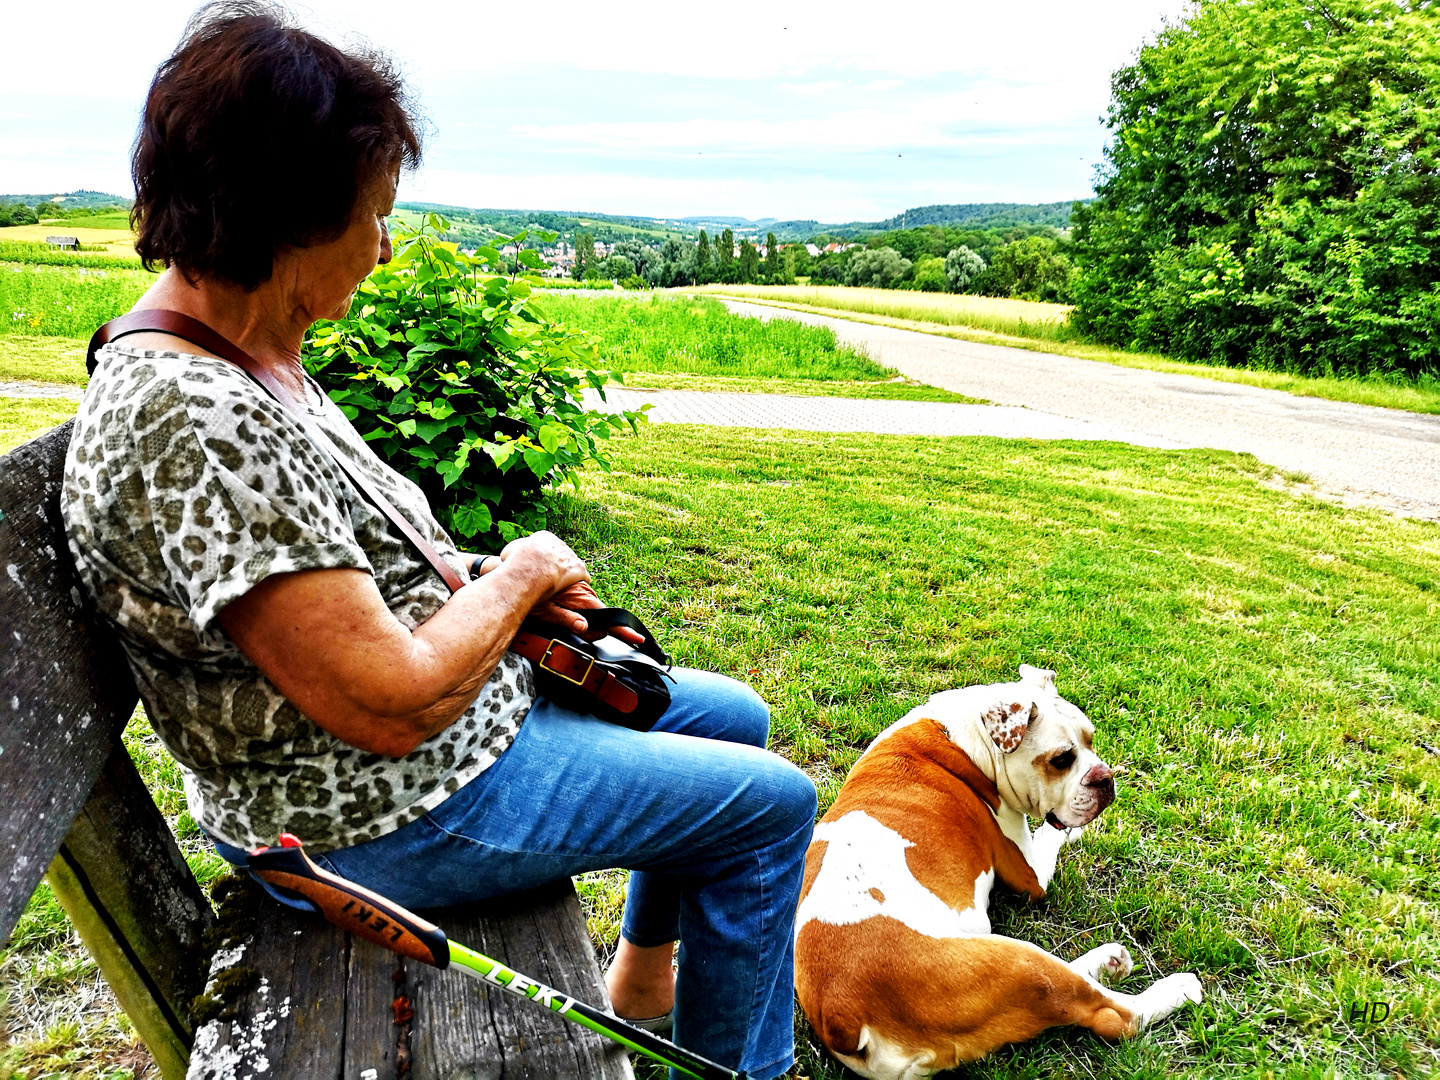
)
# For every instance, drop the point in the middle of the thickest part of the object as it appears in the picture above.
(713, 827)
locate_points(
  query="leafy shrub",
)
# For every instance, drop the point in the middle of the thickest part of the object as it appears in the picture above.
(459, 383)
(634, 281)
(1035, 268)
(878, 268)
(962, 266)
(930, 274)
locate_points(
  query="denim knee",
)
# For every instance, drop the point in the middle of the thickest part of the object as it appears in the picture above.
(750, 721)
(795, 802)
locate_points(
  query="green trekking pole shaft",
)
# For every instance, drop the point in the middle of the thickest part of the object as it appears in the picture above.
(371, 916)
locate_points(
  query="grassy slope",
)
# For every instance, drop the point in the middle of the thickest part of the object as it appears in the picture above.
(1422, 396)
(664, 342)
(65, 301)
(1260, 666)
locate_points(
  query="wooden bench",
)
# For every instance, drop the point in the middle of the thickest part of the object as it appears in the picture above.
(301, 998)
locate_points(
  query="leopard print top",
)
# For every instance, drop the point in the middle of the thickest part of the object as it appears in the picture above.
(185, 486)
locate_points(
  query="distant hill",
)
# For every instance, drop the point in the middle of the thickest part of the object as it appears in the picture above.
(84, 200)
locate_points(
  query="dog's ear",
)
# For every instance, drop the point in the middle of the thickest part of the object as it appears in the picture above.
(1042, 677)
(1007, 721)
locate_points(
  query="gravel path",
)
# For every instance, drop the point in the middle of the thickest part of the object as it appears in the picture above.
(1379, 456)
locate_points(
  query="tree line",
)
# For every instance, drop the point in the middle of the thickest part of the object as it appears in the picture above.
(1271, 191)
(1029, 262)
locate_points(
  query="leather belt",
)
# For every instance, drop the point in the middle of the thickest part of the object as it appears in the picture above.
(576, 667)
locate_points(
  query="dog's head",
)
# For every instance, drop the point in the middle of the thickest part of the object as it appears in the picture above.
(1045, 764)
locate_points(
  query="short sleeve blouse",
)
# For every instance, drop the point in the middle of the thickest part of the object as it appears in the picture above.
(185, 486)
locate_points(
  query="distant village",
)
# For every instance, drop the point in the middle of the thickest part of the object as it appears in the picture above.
(560, 256)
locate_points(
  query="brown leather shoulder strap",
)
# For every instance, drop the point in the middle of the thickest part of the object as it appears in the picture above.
(163, 321)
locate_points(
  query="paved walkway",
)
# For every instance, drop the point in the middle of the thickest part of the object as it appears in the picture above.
(1378, 456)
(37, 390)
(851, 414)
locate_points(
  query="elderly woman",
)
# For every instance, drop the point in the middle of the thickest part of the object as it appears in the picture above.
(304, 665)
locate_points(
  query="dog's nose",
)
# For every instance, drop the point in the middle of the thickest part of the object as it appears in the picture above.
(1101, 781)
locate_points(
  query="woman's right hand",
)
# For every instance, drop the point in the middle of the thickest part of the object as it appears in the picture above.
(543, 553)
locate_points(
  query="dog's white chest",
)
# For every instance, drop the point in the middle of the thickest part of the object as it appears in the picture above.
(864, 874)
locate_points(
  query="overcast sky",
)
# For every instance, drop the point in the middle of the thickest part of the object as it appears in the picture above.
(825, 110)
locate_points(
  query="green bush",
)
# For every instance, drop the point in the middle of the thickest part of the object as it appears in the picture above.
(634, 281)
(463, 386)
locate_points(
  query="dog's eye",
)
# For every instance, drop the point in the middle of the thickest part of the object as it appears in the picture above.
(1061, 762)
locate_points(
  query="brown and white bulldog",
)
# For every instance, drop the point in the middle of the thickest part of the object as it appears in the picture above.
(895, 964)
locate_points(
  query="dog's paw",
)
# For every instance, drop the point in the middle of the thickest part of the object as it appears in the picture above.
(1167, 995)
(1109, 962)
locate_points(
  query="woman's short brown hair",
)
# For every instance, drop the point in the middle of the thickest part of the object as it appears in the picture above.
(258, 135)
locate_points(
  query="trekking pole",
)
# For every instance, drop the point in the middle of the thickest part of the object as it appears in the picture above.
(371, 916)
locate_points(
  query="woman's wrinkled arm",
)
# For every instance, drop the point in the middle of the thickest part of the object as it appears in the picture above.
(327, 641)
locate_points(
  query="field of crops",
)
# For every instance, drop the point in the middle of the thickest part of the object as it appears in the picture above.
(998, 315)
(65, 301)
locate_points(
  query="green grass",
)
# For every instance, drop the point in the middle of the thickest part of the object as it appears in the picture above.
(1419, 395)
(65, 301)
(43, 359)
(119, 221)
(999, 315)
(662, 335)
(1260, 666)
(22, 419)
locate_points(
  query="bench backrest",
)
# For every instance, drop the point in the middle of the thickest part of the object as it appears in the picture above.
(74, 804)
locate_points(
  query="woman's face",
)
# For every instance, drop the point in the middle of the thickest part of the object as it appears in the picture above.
(324, 276)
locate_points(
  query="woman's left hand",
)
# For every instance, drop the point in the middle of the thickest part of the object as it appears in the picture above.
(563, 608)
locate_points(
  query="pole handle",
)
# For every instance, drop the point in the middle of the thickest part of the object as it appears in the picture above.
(349, 906)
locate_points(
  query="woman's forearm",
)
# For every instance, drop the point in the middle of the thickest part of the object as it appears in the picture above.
(327, 641)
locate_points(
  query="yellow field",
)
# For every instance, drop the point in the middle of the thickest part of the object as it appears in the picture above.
(115, 241)
(1022, 318)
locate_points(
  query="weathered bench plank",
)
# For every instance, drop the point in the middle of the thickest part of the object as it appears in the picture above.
(67, 690)
(335, 1000)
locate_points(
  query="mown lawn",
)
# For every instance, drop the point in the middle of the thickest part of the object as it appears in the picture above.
(1261, 669)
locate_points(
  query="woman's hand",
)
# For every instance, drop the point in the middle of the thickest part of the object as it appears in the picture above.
(545, 553)
(563, 609)
(563, 606)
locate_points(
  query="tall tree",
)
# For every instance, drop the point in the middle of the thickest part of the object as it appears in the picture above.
(584, 254)
(1271, 188)
(772, 259)
(749, 260)
(725, 252)
(703, 271)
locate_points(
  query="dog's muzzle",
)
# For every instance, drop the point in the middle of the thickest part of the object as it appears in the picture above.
(1097, 791)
